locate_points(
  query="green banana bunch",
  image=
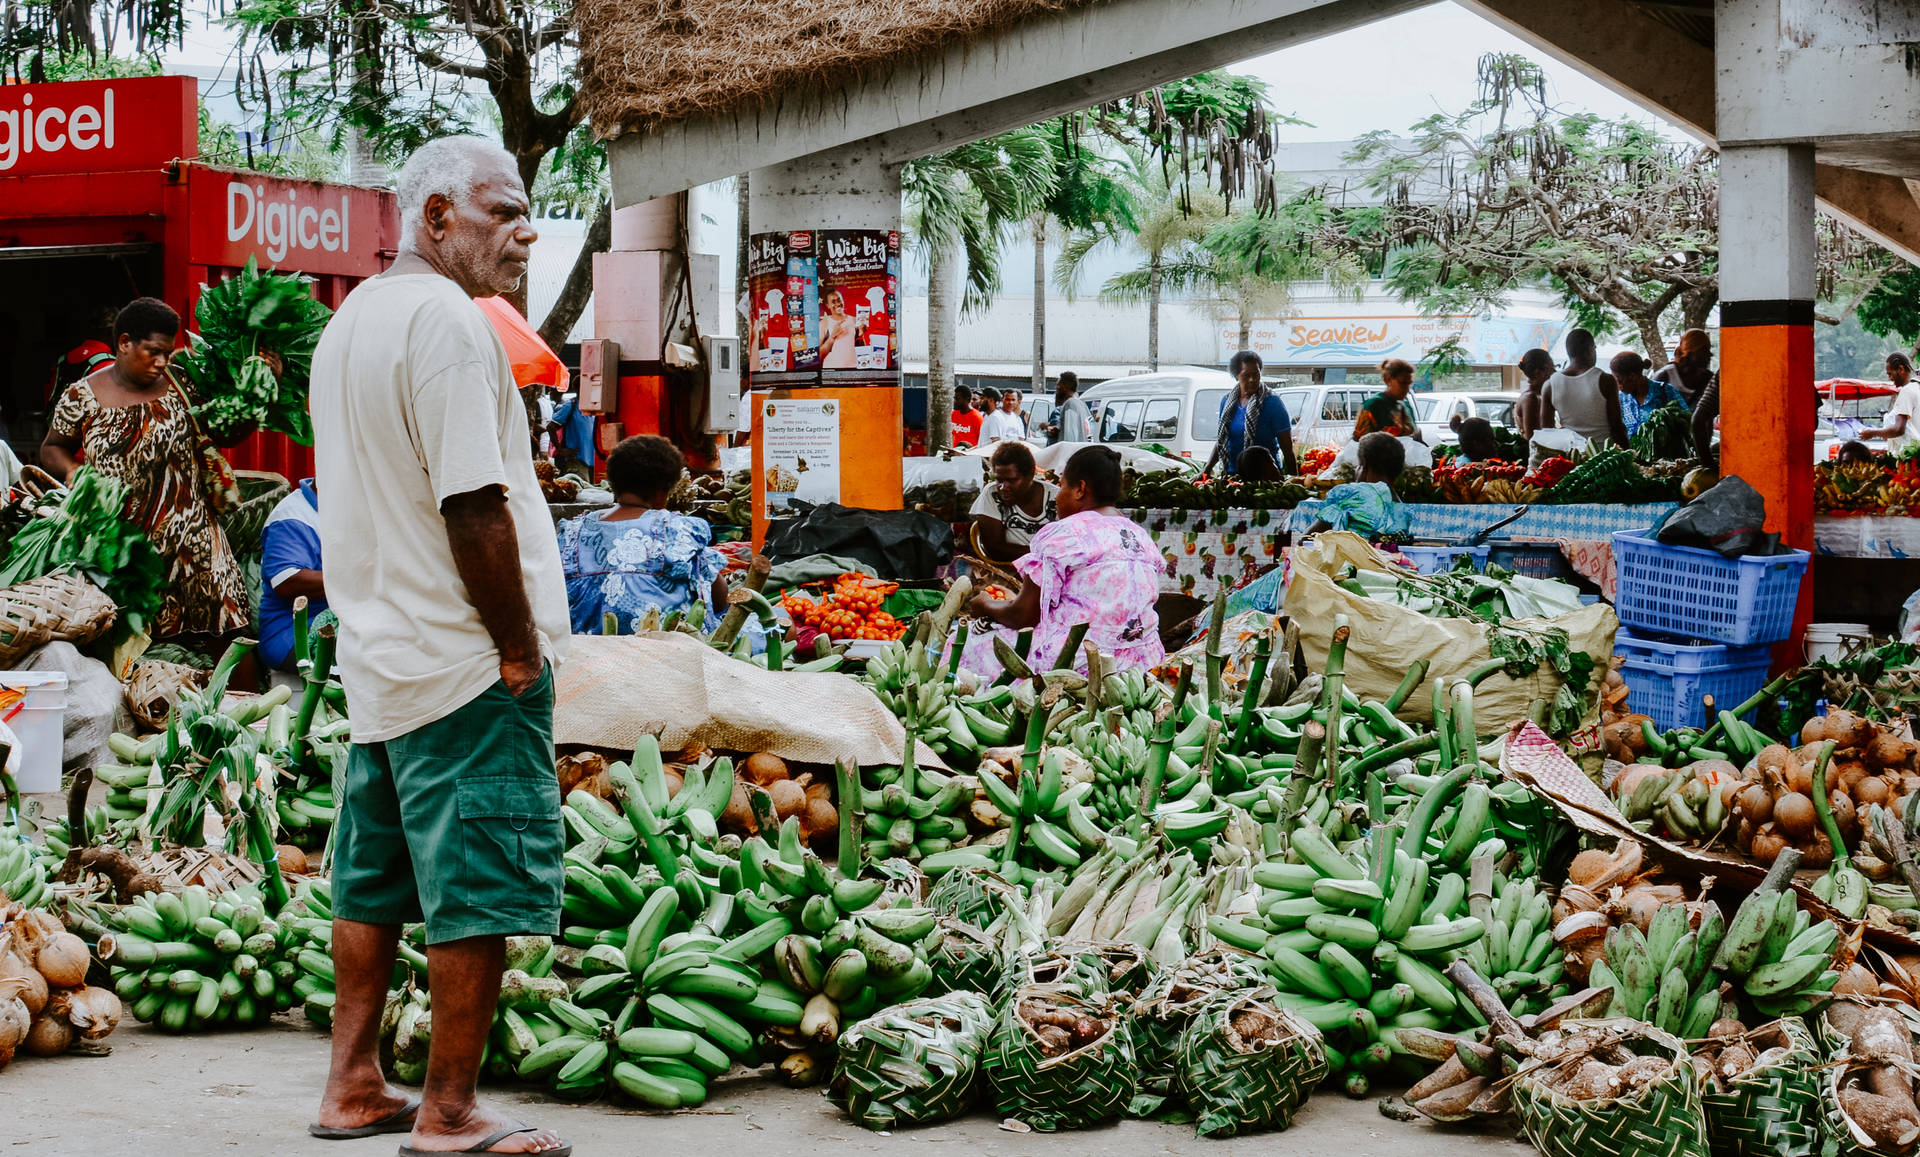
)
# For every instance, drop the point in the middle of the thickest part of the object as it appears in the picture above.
(1665, 977)
(23, 876)
(196, 961)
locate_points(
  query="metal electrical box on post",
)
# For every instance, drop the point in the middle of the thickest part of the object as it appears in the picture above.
(599, 377)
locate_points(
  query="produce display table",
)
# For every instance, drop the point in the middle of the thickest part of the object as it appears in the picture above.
(1205, 548)
(1866, 536)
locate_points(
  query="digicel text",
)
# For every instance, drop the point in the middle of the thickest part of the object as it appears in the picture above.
(278, 225)
(52, 129)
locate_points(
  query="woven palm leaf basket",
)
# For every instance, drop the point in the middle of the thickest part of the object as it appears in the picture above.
(1611, 1088)
(914, 1063)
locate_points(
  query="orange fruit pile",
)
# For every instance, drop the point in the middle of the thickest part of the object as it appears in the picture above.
(851, 610)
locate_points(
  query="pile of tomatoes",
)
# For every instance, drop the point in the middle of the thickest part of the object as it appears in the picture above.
(851, 610)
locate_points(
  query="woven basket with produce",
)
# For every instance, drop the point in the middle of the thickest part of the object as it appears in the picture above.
(914, 1063)
(1762, 1089)
(1247, 1064)
(1169, 1005)
(1612, 1088)
(1060, 1060)
(1866, 1093)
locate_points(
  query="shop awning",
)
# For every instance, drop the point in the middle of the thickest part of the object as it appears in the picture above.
(534, 362)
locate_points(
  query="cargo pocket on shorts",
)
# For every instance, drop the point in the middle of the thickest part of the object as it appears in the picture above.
(510, 828)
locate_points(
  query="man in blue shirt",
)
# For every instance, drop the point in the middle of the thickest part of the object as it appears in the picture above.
(576, 431)
(290, 564)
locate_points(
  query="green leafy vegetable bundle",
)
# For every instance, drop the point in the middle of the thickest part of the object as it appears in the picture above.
(88, 535)
(246, 323)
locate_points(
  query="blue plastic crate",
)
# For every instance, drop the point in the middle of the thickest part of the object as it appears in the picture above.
(1696, 594)
(1668, 680)
(1434, 559)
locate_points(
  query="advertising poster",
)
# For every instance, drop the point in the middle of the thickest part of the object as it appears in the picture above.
(799, 453)
(783, 282)
(856, 302)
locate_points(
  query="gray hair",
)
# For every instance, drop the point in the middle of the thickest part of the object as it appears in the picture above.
(445, 166)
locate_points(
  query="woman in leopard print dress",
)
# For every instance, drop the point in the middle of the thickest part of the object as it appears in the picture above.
(132, 423)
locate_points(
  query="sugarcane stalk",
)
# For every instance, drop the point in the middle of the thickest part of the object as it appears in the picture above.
(736, 616)
(1216, 659)
(1336, 674)
(1250, 695)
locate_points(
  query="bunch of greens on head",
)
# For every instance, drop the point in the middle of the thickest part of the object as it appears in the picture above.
(247, 324)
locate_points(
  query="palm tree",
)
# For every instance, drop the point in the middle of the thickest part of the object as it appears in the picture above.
(1173, 216)
(1089, 197)
(960, 206)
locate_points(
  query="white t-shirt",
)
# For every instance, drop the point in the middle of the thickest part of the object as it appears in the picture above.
(413, 401)
(1000, 426)
(1907, 402)
(1021, 526)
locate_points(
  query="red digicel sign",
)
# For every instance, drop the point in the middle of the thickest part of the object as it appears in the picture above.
(97, 125)
(287, 224)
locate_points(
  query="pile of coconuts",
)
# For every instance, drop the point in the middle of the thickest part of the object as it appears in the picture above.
(1771, 802)
(46, 1004)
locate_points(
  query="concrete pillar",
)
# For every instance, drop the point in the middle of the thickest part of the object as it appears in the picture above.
(849, 188)
(1767, 403)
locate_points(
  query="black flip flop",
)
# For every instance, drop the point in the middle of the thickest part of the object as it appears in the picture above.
(398, 1121)
(486, 1146)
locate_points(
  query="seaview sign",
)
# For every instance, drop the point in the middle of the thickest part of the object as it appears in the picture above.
(96, 125)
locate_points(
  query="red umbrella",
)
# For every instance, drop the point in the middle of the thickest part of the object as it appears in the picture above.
(534, 362)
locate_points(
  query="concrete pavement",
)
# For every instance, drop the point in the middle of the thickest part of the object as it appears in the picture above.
(252, 1093)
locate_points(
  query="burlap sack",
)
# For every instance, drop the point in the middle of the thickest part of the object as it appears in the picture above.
(1386, 638)
(613, 689)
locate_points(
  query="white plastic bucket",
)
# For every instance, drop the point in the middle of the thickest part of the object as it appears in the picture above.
(40, 723)
(1832, 641)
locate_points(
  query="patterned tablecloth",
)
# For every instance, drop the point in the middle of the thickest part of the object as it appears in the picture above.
(1205, 548)
(1867, 536)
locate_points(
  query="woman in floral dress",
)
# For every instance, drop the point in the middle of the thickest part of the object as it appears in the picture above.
(1094, 565)
(638, 556)
(132, 422)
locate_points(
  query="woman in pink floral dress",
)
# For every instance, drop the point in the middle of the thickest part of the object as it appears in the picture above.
(1093, 565)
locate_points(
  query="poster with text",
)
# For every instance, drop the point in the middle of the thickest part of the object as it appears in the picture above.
(856, 304)
(783, 303)
(799, 453)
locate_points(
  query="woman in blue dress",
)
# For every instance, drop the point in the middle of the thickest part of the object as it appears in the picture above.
(637, 555)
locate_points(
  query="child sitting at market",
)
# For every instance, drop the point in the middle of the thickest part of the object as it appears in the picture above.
(1368, 507)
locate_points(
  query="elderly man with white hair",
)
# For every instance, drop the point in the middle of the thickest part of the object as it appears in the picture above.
(443, 569)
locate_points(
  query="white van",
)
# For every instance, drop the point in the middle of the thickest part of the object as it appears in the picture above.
(1180, 409)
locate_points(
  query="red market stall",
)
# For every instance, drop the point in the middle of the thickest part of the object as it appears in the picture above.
(101, 201)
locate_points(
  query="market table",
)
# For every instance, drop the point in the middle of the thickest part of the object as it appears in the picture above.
(1205, 548)
(1866, 536)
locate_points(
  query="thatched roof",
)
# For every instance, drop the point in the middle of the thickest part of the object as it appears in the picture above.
(648, 63)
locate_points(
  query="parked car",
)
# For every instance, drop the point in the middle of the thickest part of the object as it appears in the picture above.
(1436, 412)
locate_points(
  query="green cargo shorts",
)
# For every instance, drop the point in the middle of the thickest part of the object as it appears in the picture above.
(457, 823)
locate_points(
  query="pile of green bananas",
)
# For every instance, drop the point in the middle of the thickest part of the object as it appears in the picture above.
(1773, 952)
(195, 961)
(1666, 977)
(23, 876)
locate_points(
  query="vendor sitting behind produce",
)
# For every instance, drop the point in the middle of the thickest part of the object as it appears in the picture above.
(1093, 566)
(1008, 513)
(637, 555)
(1477, 443)
(1368, 507)
(290, 563)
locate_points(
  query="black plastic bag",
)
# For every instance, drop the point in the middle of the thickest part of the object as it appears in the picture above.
(897, 544)
(1728, 519)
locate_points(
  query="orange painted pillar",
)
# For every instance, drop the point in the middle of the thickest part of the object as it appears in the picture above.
(1767, 402)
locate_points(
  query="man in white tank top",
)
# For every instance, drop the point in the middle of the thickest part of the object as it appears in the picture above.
(1583, 398)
